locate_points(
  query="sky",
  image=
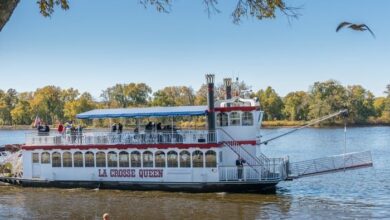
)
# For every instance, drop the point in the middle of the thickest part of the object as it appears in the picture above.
(95, 45)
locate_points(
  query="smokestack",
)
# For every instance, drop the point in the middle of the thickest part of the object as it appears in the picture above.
(210, 102)
(228, 87)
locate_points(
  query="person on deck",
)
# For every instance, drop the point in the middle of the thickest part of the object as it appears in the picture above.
(240, 167)
(113, 128)
(60, 128)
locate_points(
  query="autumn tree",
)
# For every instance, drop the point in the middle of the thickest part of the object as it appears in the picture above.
(80, 104)
(326, 98)
(271, 103)
(360, 103)
(8, 102)
(296, 106)
(126, 95)
(48, 104)
(174, 96)
(22, 114)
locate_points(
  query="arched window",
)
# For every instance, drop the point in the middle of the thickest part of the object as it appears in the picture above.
(56, 159)
(235, 119)
(35, 157)
(185, 159)
(172, 159)
(67, 159)
(159, 159)
(112, 159)
(222, 119)
(247, 119)
(45, 157)
(147, 159)
(135, 159)
(100, 159)
(197, 158)
(124, 159)
(78, 159)
(89, 159)
(211, 158)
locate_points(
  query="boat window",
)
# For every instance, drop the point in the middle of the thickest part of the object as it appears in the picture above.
(135, 159)
(185, 159)
(147, 159)
(172, 159)
(56, 159)
(78, 159)
(35, 157)
(100, 159)
(124, 159)
(112, 159)
(67, 159)
(160, 159)
(197, 158)
(89, 159)
(211, 159)
(45, 157)
(247, 119)
(222, 119)
(235, 119)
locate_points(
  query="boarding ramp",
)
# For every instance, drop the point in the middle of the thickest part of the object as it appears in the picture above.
(329, 164)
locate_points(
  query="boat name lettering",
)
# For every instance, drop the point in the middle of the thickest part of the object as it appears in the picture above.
(142, 173)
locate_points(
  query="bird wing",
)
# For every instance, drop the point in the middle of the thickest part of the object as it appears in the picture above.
(341, 25)
(372, 33)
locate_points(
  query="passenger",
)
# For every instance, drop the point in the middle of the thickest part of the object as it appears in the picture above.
(106, 216)
(240, 167)
(120, 128)
(136, 130)
(47, 128)
(159, 126)
(149, 126)
(60, 128)
(113, 127)
(79, 133)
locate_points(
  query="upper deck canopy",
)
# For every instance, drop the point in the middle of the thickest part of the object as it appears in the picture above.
(144, 112)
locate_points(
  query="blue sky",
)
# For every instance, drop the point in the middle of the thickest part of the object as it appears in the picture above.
(94, 46)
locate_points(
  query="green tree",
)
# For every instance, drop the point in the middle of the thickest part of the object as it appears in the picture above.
(126, 95)
(326, 97)
(296, 106)
(174, 96)
(360, 104)
(379, 106)
(271, 104)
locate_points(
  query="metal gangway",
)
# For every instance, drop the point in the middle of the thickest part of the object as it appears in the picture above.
(329, 164)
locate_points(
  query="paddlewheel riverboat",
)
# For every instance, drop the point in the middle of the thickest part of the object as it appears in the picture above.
(224, 157)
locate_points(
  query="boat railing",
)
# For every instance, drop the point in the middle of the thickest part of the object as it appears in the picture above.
(330, 164)
(112, 138)
(276, 172)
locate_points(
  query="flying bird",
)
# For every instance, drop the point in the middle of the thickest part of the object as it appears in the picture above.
(355, 27)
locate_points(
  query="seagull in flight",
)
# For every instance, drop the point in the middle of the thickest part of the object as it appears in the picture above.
(356, 27)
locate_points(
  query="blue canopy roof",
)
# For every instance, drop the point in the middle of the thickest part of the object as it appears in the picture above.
(144, 112)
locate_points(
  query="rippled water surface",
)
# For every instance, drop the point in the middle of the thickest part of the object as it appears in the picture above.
(354, 194)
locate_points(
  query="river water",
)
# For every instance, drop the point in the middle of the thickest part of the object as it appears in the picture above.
(357, 194)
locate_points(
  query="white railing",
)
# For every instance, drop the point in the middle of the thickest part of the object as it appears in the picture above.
(276, 172)
(330, 164)
(110, 138)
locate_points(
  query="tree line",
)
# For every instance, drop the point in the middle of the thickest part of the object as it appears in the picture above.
(53, 104)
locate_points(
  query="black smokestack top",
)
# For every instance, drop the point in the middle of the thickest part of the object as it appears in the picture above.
(228, 87)
(210, 102)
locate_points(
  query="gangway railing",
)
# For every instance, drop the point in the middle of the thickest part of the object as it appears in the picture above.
(259, 164)
(329, 164)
